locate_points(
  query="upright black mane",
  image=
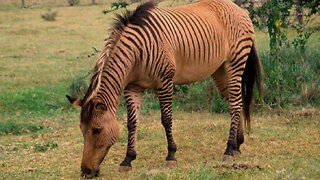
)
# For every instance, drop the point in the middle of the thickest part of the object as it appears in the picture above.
(136, 17)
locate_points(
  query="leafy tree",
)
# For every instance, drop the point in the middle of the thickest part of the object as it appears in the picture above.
(274, 15)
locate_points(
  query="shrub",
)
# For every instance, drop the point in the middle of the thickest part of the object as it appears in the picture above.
(120, 4)
(116, 6)
(299, 79)
(73, 2)
(49, 15)
(79, 85)
(202, 95)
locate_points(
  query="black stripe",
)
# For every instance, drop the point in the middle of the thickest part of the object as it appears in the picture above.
(162, 30)
(195, 34)
(119, 60)
(243, 40)
(114, 79)
(182, 33)
(132, 40)
(186, 29)
(237, 54)
(119, 68)
(192, 34)
(108, 86)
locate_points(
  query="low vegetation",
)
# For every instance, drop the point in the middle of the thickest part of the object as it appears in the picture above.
(73, 2)
(39, 130)
(49, 15)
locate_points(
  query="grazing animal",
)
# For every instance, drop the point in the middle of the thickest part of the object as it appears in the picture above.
(155, 47)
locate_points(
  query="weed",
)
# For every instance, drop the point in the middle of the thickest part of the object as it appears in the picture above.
(116, 6)
(45, 147)
(79, 85)
(12, 127)
(73, 2)
(120, 4)
(94, 52)
(49, 15)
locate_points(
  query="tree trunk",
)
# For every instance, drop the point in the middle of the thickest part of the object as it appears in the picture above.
(300, 11)
(94, 2)
(23, 4)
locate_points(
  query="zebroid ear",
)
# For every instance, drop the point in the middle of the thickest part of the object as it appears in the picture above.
(74, 101)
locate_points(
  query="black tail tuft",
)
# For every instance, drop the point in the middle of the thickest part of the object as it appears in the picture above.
(251, 75)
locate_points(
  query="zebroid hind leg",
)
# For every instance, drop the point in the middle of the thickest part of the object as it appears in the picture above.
(221, 77)
(235, 71)
(133, 100)
(165, 97)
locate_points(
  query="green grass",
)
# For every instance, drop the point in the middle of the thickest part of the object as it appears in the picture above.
(279, 147)
(39, 130)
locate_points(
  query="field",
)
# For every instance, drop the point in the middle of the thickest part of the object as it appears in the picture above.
(39, 130)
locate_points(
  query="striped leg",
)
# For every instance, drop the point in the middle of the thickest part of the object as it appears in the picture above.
(221, 79)
(235, 69)
(235, 104)
(240, 138)
(133, 101)
(165, 98)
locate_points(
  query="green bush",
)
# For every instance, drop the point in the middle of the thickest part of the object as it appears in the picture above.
(299, 78)
(199, 96)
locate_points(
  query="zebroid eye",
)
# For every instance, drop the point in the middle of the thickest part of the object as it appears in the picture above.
(96, 130)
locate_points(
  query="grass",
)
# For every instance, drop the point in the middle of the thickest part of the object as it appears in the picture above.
(279, 147)
(39, 134)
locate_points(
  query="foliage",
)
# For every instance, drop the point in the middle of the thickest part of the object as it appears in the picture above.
(312, 5)
(120, 4)
(298, 80)
(49, 15)
(73, 2)
(94, 52)
(199, 96)
(79, 85)
(275, 15)
(116, 6)
(300, 41)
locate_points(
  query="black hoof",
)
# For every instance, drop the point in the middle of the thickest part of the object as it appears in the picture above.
(227, 158)
(236, 152)
(124, 168)
(170, 163)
